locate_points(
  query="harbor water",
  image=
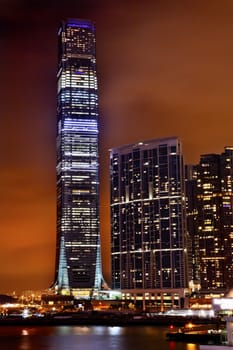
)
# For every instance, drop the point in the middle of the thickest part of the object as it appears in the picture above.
(88, 338)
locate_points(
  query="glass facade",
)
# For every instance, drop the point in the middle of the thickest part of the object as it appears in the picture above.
(148, 216)
(78, 260)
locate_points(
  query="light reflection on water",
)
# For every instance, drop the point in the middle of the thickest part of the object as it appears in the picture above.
(191, 347)
(88, 338)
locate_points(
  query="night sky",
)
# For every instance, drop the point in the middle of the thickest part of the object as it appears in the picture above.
(165, 68)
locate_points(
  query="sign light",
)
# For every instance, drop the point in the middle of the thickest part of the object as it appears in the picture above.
(222, 304)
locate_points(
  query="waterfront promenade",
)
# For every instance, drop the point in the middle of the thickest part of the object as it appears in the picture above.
(106, 318)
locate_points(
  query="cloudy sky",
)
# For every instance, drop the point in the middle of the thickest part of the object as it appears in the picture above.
(165, 68)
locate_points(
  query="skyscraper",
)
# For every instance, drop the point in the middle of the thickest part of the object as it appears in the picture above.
(213, 232)
(192, 226)
(149, 255)
(78, 259)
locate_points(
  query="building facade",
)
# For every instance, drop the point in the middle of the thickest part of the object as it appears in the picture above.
(148, 226)
(192, 226)
(214, 181)
(78, 259)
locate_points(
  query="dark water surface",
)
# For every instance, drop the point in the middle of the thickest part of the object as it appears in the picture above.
(88, 338)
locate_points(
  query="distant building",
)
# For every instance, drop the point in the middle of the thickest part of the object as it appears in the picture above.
(78, 260)
(148, 226)
(7, 299)
(192, 227)
(213, 232)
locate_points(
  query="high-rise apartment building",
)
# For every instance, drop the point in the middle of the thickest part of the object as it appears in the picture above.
(148, 226)
(78, 259)
(213, 232)
(192, 226)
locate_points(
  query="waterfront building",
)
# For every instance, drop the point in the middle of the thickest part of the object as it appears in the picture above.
(78, 257)
(214, 205)
(148, 226)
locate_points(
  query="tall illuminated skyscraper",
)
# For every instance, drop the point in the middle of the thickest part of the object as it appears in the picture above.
(149, 243)
(78, 258)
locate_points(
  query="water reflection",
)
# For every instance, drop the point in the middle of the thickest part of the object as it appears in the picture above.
(115, 331)
(191, 347)
(88, 338)
(25, 332)
(25, 344)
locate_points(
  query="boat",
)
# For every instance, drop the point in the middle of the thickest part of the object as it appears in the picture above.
(197, 335)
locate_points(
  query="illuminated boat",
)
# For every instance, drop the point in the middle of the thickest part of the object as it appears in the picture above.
(197, 335)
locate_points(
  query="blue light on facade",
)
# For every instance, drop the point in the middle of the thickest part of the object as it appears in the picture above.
(78, 262)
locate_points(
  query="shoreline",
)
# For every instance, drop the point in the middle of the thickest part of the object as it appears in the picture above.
(106, 319)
